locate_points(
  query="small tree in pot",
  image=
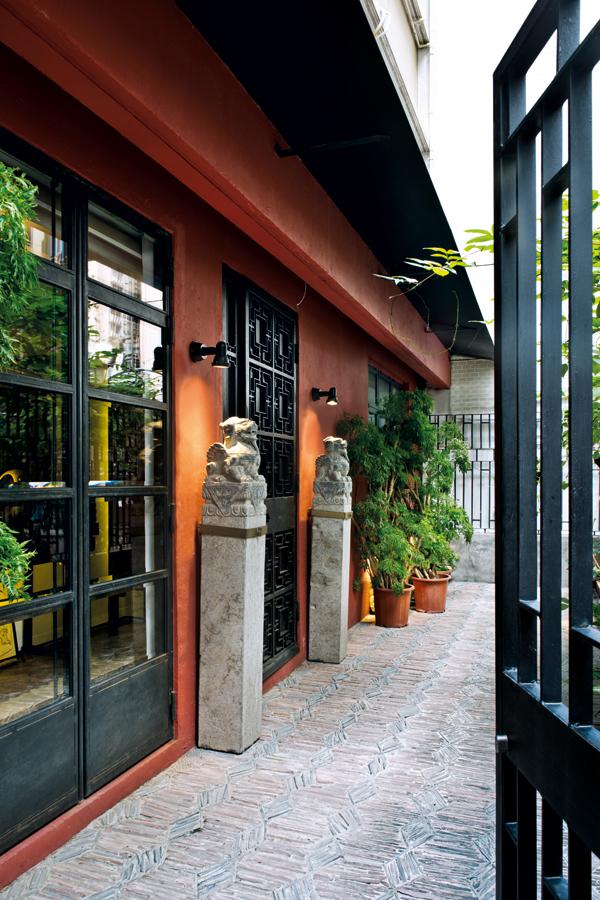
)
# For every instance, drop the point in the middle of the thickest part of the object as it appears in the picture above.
(387, 555)
(406, 466)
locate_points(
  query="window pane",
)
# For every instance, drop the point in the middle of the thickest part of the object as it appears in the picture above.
(127, 628)
(46, 231)
(121, 353)
(126, 536)
(126, 444)
(41, 336)
(123, 257)
(34, 436)
(372, 388)
(44, 524)
(34, 663)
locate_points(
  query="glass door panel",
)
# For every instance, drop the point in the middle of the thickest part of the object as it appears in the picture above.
(126, 536)
(84, 628)
(127, 628)
(126, 444)
(128, 666)
(122, 353)
(35, 662)
(40, 337)
(34, 438)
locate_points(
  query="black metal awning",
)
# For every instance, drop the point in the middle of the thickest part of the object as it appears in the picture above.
(315, 69)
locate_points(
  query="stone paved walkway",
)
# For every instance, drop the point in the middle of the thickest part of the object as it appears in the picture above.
(372, 779)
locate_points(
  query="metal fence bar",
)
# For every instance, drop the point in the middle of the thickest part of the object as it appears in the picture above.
(475, 490)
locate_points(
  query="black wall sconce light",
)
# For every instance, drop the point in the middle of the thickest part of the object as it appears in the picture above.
(331, 394)
(158, 363)
(199, 351)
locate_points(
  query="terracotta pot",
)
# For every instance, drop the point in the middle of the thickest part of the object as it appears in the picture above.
(444, 573)
(430, 594)
(391, 610)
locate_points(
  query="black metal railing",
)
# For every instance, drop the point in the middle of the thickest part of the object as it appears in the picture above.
(474, 490)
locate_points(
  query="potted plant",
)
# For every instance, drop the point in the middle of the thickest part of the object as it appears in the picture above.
(406, 465)
(433, 554)
(387, 555)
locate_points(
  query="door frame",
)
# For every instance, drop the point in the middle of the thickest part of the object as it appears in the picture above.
(72, 277)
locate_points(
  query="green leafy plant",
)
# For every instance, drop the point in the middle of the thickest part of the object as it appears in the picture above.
(406, 467)
(384, 548)
(18, 267)
(15, 560)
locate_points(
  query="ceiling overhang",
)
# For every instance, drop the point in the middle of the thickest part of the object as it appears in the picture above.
(315, 70)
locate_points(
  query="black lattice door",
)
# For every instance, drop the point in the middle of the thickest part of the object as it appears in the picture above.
(261, 334)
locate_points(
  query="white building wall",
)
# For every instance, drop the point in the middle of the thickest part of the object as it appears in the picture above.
(471, 390)
(401, 28)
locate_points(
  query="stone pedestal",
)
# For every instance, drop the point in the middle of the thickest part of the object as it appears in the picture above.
(330, 564)
(231, 613)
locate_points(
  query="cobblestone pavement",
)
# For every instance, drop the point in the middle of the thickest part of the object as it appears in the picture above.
(372, 779)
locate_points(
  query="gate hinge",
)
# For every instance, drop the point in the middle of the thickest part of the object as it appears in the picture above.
(501, 743)
(173, 705)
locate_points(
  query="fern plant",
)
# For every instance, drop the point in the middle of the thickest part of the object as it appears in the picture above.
(18, 267)
(15, 562)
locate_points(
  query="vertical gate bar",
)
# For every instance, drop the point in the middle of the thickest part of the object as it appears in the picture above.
(551, 414)
(580, 392)
(526, 402)
(526, 839)
(568, 30)
(580, 869)
(506, 848)
(507, 105)
(552, 846)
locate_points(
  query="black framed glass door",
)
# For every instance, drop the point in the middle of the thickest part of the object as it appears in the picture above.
(85, 662)
(262, 339)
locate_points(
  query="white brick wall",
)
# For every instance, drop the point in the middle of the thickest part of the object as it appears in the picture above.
(471, 390)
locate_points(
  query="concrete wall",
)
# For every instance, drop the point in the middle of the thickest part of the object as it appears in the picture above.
(477, 562)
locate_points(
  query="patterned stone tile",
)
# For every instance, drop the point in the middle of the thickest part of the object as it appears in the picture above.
(371, 779)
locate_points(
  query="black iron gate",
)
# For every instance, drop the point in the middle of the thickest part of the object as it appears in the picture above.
(548, 746)
(261, 334)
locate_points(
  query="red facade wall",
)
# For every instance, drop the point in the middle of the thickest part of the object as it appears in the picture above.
(145, 70)
(333, 351)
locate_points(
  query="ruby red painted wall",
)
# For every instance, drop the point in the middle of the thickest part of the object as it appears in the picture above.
(333, 351)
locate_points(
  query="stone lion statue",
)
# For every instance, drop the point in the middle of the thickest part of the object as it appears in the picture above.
(237, 459)
(334, 464)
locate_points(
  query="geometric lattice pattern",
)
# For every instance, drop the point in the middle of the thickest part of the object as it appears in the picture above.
(372, 780)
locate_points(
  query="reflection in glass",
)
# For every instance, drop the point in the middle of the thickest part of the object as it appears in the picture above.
(34, 663)
(127, 628)
(126, 536)
(41, 336)
(46, 232)
(121, 353)
(44, 524)
(126, 444)
(123, 257)
(34, 435)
